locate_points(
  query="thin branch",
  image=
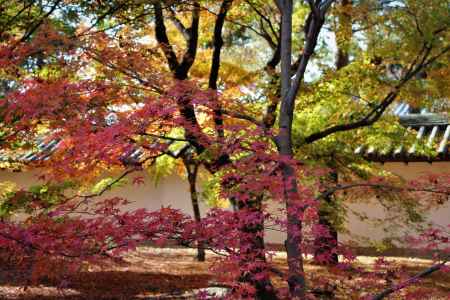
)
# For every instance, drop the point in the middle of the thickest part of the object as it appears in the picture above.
(261, 34)
(409, 281)
(115, 25)
(266, 35)
(109, 12)
(376, 113)
(241, 116)
(174, 139)
(263, 17)
(85, 198)
(10, 21)
(179, 25)
(127, 72)
(39, 23)
(180, 153)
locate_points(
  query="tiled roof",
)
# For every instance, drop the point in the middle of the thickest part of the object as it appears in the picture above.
(45, 147)
(432, 133)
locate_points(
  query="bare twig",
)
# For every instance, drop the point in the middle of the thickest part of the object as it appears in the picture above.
(409, 281)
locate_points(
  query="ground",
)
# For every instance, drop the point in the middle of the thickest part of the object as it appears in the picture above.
(152, 273)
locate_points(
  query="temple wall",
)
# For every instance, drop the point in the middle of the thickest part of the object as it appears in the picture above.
(174, 191)
(373, 209)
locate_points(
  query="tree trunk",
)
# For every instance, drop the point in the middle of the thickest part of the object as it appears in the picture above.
(296, 275)
(264, 288)
(324, 246)
(192, 170)
(344, 33)
(252, 246)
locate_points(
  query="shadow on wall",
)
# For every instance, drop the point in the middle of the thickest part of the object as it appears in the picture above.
(174, 191)
(439, 215)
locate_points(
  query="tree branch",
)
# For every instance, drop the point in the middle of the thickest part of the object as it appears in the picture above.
(215, 64)
(163, 137)
(290, 88)
(13, 18)
(241, 116)
(108, 186)
(263, 18)
(182, 70)
(376, 113)
(179, 25)
(218, 43)
(163, 39)
(39, 23)
(409, 281)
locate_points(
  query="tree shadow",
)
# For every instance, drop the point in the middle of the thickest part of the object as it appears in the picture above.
(107, 285)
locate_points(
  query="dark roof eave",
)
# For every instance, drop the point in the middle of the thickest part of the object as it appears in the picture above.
(408, 158)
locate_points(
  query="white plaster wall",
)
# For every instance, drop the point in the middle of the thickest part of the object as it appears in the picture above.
(174, 191)
(439, 215)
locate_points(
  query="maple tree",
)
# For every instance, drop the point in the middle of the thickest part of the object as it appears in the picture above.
(122, 85)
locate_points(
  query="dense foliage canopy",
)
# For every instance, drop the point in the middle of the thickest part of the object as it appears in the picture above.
(264, 97)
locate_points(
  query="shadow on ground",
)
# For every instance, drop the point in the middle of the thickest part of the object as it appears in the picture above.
(105, 285)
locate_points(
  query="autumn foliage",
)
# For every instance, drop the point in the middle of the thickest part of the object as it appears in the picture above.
(115, 88)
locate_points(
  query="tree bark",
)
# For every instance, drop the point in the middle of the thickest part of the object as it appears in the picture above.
(264, 288)
(192, 171)
(252, 246)
(215, 62)
(296, 275)
(325, 246)
(343, 34)
(290, 87)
